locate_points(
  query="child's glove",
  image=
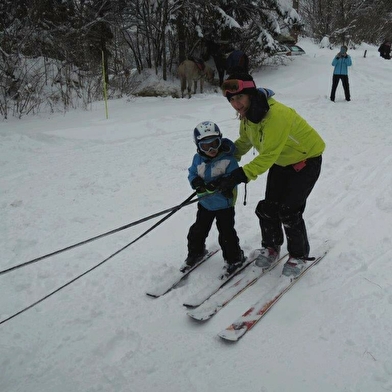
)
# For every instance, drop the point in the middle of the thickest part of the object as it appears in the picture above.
(211, 187)
(198, 185)
(201, 187)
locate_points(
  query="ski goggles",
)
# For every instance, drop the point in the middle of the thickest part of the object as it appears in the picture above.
(235, 86)
(207, 145)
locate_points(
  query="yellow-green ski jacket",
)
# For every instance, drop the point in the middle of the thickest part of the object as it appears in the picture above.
(282, 137)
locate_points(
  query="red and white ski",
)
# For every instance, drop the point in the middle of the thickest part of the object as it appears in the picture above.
(254, 314)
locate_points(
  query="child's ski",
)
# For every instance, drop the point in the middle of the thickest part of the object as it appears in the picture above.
(223, 296)
(165, 286)
(198, 298)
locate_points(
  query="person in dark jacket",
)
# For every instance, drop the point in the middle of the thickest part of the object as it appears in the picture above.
(341, 62)
(385, 50)
(237, 61)
(214, 160)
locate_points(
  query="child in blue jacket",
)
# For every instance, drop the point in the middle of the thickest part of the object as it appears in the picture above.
(341, 62)
(214, 159)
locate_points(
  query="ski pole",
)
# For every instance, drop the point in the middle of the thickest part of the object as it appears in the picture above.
(186, 202)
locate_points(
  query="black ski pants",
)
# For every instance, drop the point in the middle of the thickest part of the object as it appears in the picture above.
(346, 86)
(228, 239)
(285, 200)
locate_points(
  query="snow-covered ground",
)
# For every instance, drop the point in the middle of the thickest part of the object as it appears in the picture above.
(66, 178)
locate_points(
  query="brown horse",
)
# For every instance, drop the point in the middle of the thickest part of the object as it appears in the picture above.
(190, 71)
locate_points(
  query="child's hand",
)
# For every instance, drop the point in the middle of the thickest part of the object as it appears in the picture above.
(199, 185)
(211, 187)
(208, 189)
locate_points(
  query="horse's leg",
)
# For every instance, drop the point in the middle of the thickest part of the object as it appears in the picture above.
(189, 88)
(183, 86)
(194, 86)
(201, 84)
(221, 76)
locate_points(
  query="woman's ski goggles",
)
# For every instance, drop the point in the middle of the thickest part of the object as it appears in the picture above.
(207, 145)
(235, 86)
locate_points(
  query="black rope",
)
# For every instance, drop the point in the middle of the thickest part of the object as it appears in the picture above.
(175, 208)
(186, 202)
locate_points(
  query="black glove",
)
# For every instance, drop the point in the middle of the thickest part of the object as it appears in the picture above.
(199, 185)
(211, 187)
(203, 189)
(226, 184)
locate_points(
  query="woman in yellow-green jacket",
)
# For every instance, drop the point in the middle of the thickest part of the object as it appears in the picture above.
(290, 150)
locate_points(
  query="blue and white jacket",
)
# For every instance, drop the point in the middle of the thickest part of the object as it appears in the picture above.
(210, 169)
(341, 65)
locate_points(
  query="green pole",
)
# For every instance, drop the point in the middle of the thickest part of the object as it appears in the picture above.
(105, 96)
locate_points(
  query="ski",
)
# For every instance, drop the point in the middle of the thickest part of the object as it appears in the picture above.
(174, 280)
(223, 296)
(248, 320)
(200, 297)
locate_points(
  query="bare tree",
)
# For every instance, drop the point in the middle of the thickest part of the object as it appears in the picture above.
(72, 35)
(345, 21)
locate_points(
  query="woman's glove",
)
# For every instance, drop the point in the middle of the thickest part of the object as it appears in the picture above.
(226, 184)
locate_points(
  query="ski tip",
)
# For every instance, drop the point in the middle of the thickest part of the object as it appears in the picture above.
(190, 306)
(230, 335)
(197, 317)
(152, 295)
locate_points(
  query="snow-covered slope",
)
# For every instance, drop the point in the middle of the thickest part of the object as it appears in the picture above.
(67, 178)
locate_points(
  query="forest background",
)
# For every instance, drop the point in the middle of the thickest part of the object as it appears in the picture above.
(56, 55)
